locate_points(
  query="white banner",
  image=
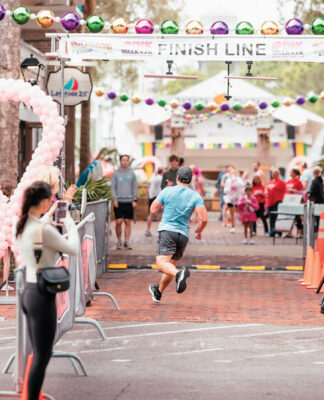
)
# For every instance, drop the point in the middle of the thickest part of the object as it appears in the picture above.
(203, 48)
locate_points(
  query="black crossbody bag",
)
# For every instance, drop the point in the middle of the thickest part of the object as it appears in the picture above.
(50, 280)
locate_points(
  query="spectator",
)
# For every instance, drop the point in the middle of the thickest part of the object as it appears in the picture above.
(170, 176)
(7, 188)
(154, 190)
(295, 186)
(306, 179)
(198, 183)
(258, 171)
(233, 189)
(276, 189)
(247, 206)
(316, 193)
(124, 192)
(223, 183)
(220, 189)
(259, 192)
(245, 178)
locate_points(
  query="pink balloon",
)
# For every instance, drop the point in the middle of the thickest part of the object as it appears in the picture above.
(50, 123)
(2, 237)
(19, 259)
(59, 129)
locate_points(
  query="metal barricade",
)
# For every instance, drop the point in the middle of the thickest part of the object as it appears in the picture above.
(100, 209)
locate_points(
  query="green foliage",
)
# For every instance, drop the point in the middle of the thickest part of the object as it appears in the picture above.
(112, 156)
(95, 191)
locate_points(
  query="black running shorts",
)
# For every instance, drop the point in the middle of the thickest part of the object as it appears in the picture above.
(171, 243)
(124, 210)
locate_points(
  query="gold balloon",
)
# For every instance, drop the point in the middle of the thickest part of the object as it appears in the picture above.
(99, 92)
(136, 100)
(249, 105)
(174, 104)
(119, 25)
(194, 27)
(269, 28)
(45, 18)
(212, 106)
(322, 95)
(288, 101)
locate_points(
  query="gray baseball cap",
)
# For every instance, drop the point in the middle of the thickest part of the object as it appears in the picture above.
(184, 174)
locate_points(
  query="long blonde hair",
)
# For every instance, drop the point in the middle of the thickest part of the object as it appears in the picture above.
(50, 175)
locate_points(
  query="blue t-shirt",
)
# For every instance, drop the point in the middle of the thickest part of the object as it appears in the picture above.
(179, 203)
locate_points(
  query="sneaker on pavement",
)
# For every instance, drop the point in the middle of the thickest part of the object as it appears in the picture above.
(148, 233)
(232, 230)
(127, 246)
(251, 241)
(244, 241)
(181, 278)
(11, 277)
(119, 245)
(156, 294)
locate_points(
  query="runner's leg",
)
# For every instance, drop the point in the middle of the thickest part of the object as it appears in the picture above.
(119, 222)
(127, 223)
(168, 268)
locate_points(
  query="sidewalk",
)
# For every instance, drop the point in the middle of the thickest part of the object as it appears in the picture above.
(217, 247)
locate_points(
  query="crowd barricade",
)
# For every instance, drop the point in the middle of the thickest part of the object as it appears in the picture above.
(70, 303)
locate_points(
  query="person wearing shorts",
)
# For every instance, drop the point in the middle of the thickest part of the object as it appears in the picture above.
(124, 192)
(179, 202)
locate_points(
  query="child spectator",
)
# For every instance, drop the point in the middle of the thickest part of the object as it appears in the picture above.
(7, 188)
(258, 190)
(247, 206)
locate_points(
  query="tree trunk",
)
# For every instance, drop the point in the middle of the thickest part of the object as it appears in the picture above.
(9, 112)
(263, 151)
(70, 144)
(85, 157)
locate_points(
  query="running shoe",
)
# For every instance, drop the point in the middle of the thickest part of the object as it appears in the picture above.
(244, 241)
(251, 241)
(119, 245)
(148, 233)
(127, 246)
(181, 278)
(156, 294)
(232, 230)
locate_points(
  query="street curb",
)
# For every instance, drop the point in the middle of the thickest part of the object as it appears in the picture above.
(211, 267)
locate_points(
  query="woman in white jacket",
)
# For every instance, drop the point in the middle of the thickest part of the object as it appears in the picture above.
(233, 190)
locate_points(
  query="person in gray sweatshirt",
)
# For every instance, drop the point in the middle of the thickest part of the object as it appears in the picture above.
(124, 192)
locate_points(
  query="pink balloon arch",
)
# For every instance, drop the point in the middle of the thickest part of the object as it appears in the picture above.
(45, 154)
(297, 162)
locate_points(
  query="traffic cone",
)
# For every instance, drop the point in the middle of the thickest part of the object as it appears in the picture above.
(308, 266)
(24, 394)
(308, 251)
(317, 272)
(320, 237)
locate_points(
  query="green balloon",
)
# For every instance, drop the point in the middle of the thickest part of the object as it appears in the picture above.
(237, 107)
(199, 106)
(317, 26)
(275, 104)
(313, 99)
(95, 23)
(244, 28)
(169, 27)
(20, 15)
(161, 103)
(123, 97)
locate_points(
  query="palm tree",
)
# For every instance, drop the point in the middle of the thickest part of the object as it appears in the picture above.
(9, 112)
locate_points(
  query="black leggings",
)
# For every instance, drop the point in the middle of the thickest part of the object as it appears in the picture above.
(40, 310)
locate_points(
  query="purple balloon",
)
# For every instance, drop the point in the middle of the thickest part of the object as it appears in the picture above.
(225, 107)
(2, 12)
(111, 95)
(186, 105)
(300, 100)
(70, 21)
(294, 27)
(219, 28)
(149, 101)
(144, 26)
(263, 105)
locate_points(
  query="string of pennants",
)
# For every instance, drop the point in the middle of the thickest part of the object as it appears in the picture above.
(210, 146)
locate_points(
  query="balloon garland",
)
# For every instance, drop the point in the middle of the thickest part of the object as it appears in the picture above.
(44, 155)
(70, 21)
(249, 105)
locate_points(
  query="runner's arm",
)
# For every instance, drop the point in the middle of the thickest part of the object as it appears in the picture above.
(155, 207)
(203, 219)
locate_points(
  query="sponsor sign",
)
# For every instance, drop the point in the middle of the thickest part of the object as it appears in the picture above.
(204, 48)
(77, 86)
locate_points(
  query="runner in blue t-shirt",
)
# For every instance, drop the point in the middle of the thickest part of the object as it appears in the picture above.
(179, 203)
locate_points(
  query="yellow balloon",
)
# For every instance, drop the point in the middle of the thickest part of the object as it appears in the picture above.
(194, 27)
(174, 104)
(45, 18)
(119, 25)
(269, 28)
(136, 100)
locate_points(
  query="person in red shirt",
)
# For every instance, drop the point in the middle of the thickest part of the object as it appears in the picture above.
(295, 186)
(258, 190)
(276, 189)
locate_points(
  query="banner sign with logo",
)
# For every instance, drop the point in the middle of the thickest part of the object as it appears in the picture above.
(77, 86)
(192, 47)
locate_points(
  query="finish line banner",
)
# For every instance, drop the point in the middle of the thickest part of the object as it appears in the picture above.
(186, 48)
